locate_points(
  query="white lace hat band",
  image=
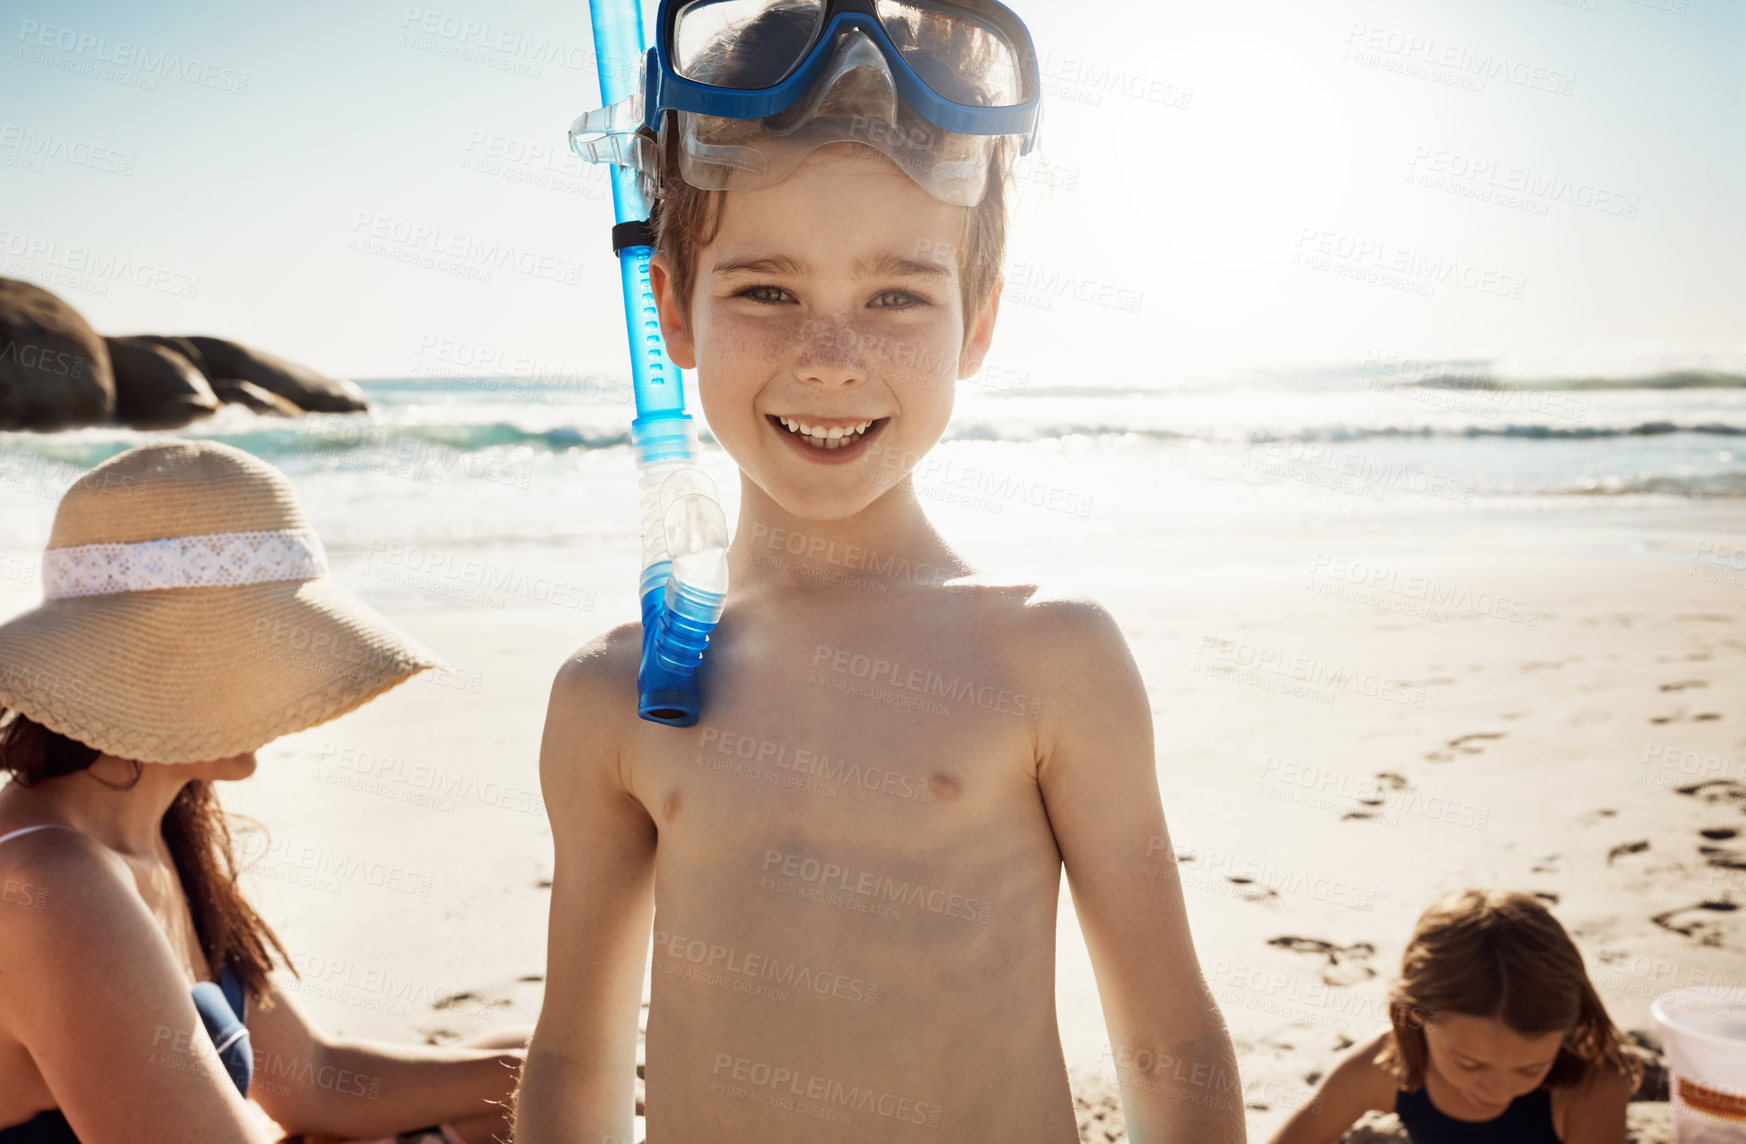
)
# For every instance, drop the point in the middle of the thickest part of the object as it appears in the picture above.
(207, 560)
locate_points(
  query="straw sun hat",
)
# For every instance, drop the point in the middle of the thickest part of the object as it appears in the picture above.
(187, 614)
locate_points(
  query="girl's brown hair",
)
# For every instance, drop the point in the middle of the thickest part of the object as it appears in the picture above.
(1500, 953)
(197, 832)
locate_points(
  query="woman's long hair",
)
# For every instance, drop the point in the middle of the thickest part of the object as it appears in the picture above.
(197, 831)
(1500, 953)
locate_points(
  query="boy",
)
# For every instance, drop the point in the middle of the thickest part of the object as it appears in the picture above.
(851, 865)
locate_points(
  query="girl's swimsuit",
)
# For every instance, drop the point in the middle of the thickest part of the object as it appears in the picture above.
(222, 1007)
(1528, 1120)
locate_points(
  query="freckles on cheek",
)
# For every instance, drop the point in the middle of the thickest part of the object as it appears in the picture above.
(923, 361)
(748, 345)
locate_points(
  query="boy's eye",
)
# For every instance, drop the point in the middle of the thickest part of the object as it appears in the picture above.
(765, 294)
(897, 299)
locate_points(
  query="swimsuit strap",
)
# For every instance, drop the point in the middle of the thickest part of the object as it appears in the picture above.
(40, 826)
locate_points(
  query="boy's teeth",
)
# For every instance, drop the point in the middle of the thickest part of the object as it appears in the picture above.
(829, 437)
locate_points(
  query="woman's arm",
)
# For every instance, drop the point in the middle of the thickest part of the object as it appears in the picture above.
(315, 1085)
(96, 995)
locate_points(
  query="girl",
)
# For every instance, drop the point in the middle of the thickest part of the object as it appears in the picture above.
(1497, 1037)
(187, 621)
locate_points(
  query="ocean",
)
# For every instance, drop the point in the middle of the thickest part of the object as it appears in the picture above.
(496, 492)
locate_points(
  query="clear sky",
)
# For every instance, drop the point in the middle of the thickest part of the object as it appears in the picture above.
(1246, 182)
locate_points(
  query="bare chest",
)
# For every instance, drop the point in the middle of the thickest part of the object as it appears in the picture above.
(904, 738)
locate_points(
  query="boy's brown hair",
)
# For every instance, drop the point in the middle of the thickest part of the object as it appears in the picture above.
(686, 219)
(1500, 953)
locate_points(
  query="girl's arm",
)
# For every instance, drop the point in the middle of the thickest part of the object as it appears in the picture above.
(99, 999)
(1597, 1108)
(311, 1084)
(1354, 1087)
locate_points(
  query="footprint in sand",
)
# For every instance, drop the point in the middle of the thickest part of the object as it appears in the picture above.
(1547, 865)
(1684, 684)
(1724, 857)
(1722, 792)
(1625, 848)
(1698, 921)
(472, 1003)
(1371, 807)
(1681, 716)
(1251, 890)
(1595, 816)
(1346, 964)
(1463, 744)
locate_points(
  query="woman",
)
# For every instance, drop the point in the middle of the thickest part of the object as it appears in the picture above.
(187, 622)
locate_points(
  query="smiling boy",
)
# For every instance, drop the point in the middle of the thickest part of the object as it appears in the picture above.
(851, 865)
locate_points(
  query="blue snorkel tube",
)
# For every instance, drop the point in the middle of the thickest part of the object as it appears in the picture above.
(684, 580)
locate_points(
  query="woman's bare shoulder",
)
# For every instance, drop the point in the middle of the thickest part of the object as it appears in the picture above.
(62, 889)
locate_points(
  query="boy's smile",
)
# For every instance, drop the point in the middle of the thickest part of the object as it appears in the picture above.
(828, 440)
(827, 325)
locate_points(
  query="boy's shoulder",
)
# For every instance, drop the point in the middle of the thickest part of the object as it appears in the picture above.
(1066, 629)
(1056, 644)
(607, 662)
(1030, 617)
(598, 680)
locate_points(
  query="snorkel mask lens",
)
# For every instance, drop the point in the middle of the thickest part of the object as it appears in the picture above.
(765, 39)
(961, 57)
(854, 100)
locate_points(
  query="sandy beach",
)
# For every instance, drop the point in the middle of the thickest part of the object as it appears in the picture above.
(1377, 366)
(1348, 724)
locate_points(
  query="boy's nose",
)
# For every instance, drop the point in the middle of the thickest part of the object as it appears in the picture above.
(831, 352)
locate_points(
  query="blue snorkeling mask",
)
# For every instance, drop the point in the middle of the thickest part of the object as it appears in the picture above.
(756, 85)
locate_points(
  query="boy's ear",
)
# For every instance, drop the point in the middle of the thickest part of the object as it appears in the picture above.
(673, 332)
(981, 334)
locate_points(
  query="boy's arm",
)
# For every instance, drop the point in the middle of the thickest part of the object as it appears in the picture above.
(579, 1083)
(1172, 1053)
